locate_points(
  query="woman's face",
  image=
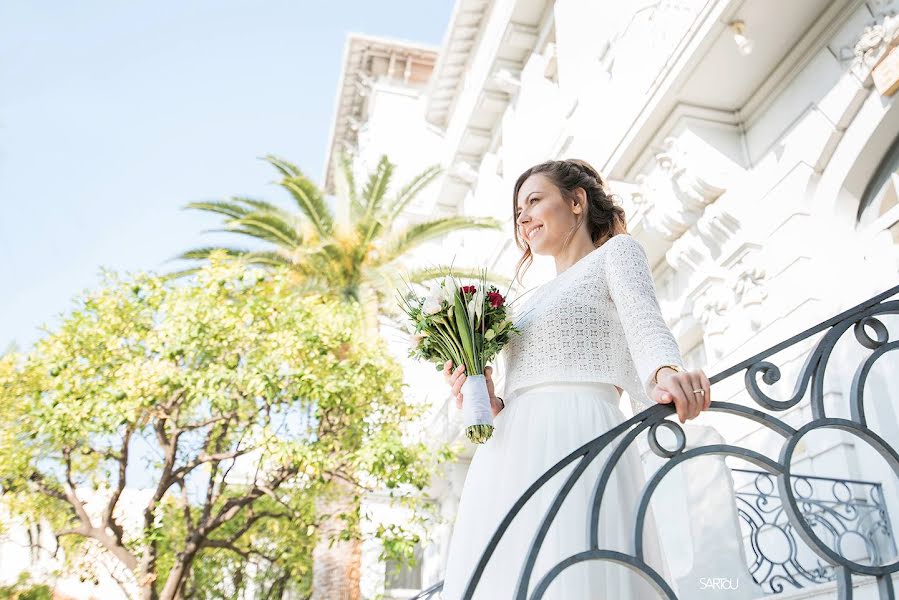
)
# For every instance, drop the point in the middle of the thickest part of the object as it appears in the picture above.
(544, 218)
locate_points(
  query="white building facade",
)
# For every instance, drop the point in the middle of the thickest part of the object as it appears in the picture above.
(755, 148)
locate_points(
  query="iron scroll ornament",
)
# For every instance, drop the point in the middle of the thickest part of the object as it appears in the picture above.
(811, 376)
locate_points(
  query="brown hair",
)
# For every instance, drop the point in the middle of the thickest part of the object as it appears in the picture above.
(604, 217)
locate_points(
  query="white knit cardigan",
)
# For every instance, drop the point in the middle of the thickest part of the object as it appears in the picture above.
(597, 321)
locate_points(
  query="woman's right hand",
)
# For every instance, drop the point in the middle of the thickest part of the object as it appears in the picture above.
(456, 377)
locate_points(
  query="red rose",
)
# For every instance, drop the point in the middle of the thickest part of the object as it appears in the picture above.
(468, 289)
(496, 299)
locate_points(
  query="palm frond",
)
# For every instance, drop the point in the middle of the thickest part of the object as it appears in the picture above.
(261, 258)
(179, 274)
(369, 222)
(287, 169)
(334, 256)
(267, 258)
(369, 229)
(376, 186)
(204, 253)
(239, 231)
(229, 209)
(346, 185)
(272, 226)
(256, 233)
(260, 205)
(411, 190)
(313, 285)
(310, 200)
(200, 254)
(414, 235)
(305, 193)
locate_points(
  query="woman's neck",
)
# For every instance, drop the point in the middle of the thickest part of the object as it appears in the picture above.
(575, 251)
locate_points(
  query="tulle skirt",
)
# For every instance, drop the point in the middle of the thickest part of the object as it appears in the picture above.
(540, 425)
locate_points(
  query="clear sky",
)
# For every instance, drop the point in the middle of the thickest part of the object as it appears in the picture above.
(114, 115)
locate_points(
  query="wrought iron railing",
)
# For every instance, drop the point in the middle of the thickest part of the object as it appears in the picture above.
(860, 318)
(845, 513)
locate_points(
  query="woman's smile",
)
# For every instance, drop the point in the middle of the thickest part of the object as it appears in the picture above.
(532, 233)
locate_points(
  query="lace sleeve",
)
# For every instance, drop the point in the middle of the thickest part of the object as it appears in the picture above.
(650, 342)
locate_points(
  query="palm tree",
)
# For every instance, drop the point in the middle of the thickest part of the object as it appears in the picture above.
(355, 255)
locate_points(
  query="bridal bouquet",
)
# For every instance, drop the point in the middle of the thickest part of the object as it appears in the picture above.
(466, 324)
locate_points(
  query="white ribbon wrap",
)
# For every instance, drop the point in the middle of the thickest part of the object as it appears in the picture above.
(476, 402)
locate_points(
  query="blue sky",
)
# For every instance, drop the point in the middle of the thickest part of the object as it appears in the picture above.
(114, 115)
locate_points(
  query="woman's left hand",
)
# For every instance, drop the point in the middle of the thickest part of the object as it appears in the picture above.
(678, 388)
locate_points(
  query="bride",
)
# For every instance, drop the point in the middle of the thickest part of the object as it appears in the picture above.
(590, 333)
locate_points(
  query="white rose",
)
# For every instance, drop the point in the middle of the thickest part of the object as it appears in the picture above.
(476, 307)
(431, 306)
(479, 298)
(433, 300)
(447, 292)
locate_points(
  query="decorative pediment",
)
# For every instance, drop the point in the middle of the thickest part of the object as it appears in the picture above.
(673, 195)
(694, 192)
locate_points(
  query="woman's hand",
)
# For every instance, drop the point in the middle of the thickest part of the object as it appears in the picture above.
(678, 388)
(456, 377)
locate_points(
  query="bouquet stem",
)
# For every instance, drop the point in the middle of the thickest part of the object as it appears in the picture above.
(476, 412)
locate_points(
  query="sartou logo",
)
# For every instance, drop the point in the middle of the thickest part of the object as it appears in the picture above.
(719, 583)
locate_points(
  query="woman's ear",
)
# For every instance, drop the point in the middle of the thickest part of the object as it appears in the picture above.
(581, 197)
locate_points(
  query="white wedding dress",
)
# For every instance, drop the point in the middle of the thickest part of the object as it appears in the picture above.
(592, 327)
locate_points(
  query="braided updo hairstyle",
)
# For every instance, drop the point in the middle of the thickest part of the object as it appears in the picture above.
(604, 217)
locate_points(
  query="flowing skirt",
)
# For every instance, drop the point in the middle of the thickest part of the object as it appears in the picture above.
(540, 425)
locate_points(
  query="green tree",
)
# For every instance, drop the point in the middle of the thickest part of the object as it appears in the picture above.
(355, 254)
(236, 404)
(23, 589)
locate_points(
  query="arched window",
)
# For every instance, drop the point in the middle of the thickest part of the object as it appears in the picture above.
(878, 209)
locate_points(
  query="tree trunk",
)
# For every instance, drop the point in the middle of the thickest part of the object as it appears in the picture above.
(148, 592)
(180, 570)
(336, 569)
(146, 577)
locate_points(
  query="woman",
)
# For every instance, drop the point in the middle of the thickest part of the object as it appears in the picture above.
(589, 333)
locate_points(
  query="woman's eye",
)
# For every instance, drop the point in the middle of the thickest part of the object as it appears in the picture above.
(529, 200)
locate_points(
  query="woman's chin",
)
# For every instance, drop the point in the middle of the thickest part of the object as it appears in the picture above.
(538, 249)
